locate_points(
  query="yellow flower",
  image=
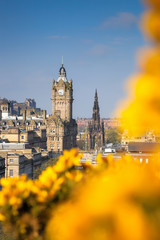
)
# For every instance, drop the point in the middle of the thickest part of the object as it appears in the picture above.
(58, 183)
(75, 175)
(100, 159)
(47, 178)
(2, 217)
(42, 196)
(68, 160)
(2, 199)
(14, 201)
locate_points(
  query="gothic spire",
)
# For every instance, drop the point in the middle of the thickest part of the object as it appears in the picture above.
(96, 95)
(96, 115)
(96, 105)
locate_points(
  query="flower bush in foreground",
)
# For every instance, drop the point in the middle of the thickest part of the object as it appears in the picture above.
(112, 200)
(120, 200)
(141, 110)
(25, 205)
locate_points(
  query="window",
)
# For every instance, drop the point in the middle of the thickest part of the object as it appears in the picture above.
(11, 160)
(58, 139)
(52, 130)
(52, 146)
(52, 138)
(11, 172)
(22, 137)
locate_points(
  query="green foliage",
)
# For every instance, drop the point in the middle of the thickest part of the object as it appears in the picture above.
(81, 144)
(113, 136)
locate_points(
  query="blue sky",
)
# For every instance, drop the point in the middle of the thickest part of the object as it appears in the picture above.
(98, 40)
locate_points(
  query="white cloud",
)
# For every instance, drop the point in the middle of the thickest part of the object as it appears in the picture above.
(99, 50)
(123, 19)
(58, 37)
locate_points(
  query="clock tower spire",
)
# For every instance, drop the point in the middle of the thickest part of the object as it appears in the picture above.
(62, 96)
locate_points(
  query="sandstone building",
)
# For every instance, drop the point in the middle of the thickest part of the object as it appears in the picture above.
(19, 158)
(95, 128)
(12, 107)
(61, 127)
(5, 108)
(22, 144)
(146, 140)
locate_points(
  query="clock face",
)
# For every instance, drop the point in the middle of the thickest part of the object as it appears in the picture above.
(61, 92)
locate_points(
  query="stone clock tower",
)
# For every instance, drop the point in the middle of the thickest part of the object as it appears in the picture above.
(62, 96)
(61, 128)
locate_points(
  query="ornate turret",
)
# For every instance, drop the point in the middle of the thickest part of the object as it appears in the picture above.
(62, 73)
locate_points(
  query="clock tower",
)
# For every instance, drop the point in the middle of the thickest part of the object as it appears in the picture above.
(61, 127)
(62, 96)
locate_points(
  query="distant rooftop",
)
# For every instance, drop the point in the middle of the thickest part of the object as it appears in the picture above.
(8, 146)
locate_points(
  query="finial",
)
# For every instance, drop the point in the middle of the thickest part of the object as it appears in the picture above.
(96, 95)
(62, 60)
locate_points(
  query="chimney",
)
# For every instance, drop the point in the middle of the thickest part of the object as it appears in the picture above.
(44, 116)
(24, 115)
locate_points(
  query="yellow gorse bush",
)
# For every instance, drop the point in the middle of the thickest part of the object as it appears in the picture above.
(122, 201)
(141, 110)
(25, 205)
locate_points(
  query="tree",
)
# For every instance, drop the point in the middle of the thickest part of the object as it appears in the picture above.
(113, 136)
(82, 142)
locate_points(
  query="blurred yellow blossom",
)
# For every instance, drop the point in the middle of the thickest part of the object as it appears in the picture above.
(27, 204)
(141, 110)
(111, 205)
(151, 24)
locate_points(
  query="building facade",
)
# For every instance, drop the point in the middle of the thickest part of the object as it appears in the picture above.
(148, 137)
(96, 137)
(12, 107)
(4, 107)
(61, 127)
